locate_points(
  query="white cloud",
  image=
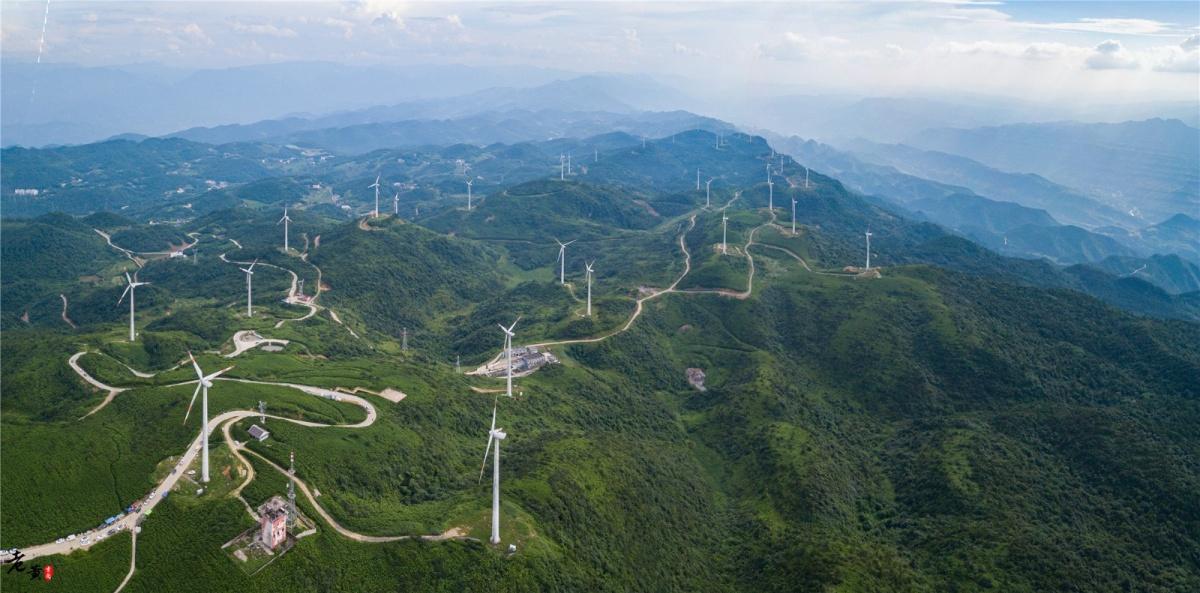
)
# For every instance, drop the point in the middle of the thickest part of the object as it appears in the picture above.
(1184, 57)
(266, 29)
(686, 50)
(632, 41)
(388, 19)
(195, 33)
(794, 47)
(1110, 55)
(1039, 51)
(1108, 25)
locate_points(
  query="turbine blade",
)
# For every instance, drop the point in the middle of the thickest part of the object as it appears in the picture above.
(199, 384)
(195, 365)
(485, 454)
(218, 373)
(128, 287)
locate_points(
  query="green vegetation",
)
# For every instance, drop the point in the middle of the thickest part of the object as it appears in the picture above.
(965, 422)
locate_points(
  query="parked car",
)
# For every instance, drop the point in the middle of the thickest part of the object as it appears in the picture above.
(71, 537)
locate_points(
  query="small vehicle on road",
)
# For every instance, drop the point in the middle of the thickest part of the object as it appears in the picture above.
(71, 537)
(60, 540)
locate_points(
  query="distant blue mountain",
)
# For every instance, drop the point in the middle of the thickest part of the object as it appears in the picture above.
(1150, 168)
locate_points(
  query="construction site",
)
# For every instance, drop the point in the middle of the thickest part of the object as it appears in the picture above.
(525, 360)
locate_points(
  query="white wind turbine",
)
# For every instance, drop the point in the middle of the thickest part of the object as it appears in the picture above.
(707, 192)
(396, 204)
(562, 167)
(470, 182)
(508, 336)
(768, 171)
(129, 291)
(697, 179)
(285, 221)
(868, 248)
(568, 163)
(770, 195)
(562, 260)
(496, 435)
(793, 216)
(724, 226)
(249, 296)
(588, 265)
(203, 382)
(806, 177)
(376, 186)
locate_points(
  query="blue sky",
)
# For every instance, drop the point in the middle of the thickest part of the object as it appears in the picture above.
(1113, 51)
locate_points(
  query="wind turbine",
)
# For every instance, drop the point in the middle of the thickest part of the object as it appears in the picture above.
(724, 225)
(707, 193)
(376, 186)
(868, 248)
(770, 195)
(396, 204)
(697, 179)
(470, 182)
(508, 336)
(203, 382)
(793, 216)
(497, 435)
(562, 170)
(568, 162)
(129, 290)
(249, 299)
(588, 265)
(285, 220)
(806, 177)
(562, 260)
(768, 171)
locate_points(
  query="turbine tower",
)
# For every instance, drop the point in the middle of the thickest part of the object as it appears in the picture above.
(496, 435)
(707, 193)
(249, 297)
(508, 336)
(768, 171)
(469, 183)
(724, 225)
(203, 382)
(396, 204)
(562, 167)
(806, 177)
(697, 179)
(285, 221)
(568, 162)
(292, 515)
(376, 186)
(868, 248)
(588, 265)
(562, 260)
(793, 216)
(771, 195)
(129, 290)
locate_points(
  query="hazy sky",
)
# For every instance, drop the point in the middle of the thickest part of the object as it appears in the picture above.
(1096, 52)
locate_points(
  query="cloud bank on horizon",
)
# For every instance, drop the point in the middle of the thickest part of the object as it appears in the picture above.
(1112, 52)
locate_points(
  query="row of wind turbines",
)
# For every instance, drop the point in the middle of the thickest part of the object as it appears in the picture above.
(131, 282)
